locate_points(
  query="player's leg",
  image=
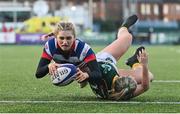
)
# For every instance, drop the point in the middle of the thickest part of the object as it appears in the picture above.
(124, 39)
(118, 47)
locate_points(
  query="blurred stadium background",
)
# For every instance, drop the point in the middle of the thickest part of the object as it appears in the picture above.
(22, 22)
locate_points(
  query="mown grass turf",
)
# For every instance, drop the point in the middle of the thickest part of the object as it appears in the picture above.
(18, 83)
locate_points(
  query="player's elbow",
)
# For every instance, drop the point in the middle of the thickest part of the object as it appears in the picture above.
(145, 87)
(38, 75)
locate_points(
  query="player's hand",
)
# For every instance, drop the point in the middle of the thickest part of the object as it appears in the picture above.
(143, 57)
(81, 76)
(53, 68)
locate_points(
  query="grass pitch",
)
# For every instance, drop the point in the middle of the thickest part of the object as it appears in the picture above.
(20, 91)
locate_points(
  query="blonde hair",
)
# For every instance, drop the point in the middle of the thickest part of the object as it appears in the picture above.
(123, 88)
(64, 26)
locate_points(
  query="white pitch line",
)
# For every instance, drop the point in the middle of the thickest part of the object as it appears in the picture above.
(166, 81)
(92, 102)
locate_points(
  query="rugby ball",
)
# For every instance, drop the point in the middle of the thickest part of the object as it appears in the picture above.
(65, 75)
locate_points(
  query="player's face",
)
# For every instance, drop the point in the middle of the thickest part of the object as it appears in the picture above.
(65, 40)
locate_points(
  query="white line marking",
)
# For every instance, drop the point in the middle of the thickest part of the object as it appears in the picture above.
(103, 102)
(166, 81)
(92, 102)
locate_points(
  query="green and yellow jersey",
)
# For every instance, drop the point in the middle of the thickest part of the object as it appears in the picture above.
(104, 87)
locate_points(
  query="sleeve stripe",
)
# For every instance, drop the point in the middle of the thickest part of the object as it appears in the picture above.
(89, 52)
(79, 48)
(45, 55)
(47, 49)
(84, 52)
(55, 41)
(76, 43)
(90, 58)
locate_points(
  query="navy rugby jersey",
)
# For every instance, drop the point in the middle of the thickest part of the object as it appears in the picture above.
(80, 52)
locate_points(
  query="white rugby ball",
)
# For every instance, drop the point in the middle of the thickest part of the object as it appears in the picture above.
(65, 75)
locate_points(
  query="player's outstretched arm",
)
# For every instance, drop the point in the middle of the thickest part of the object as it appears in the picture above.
(42, 68)
(144, 86)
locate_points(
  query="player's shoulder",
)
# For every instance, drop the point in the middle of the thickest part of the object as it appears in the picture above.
(52, 40)
(81, 42)
(51, 44)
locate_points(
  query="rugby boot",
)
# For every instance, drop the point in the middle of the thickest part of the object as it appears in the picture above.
(130, 21)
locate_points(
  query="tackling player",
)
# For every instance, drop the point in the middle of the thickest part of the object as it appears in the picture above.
(122, 84)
